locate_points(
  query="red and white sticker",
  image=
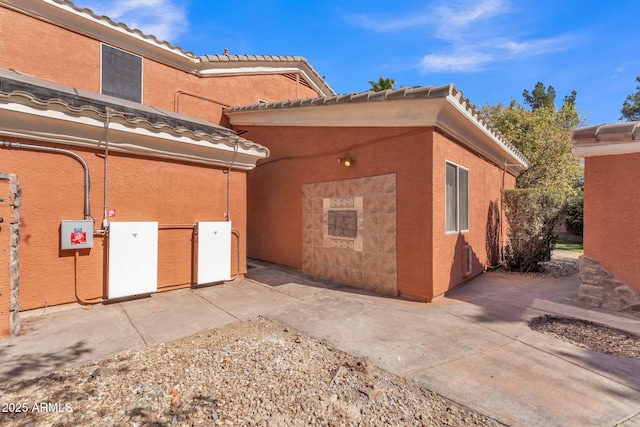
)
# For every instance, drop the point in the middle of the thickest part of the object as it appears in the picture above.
(78, 237)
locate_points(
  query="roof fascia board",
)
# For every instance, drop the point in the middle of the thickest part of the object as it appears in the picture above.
(207, 70)
(600, 149)
(607, 140)
(50, 125)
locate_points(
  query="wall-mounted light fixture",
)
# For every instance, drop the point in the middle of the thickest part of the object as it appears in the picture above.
(347, 161)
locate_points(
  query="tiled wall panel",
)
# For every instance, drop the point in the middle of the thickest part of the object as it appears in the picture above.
(332, 250)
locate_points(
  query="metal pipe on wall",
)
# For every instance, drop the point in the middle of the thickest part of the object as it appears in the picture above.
(87, 205)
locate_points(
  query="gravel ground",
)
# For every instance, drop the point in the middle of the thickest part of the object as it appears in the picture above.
(582, 333)
(251, 373)
(589, 335)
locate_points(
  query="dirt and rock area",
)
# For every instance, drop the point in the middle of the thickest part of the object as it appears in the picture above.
(582, 333)
(589, 335)
(251, 373)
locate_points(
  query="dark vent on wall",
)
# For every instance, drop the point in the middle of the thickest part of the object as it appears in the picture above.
(298, 78)
(121, 74)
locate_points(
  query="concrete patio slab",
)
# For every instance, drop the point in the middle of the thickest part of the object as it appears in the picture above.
(519, 386)
(172, 315)
(67, 337)
(245, 299)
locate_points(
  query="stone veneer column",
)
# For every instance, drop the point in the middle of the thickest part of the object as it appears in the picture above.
(599, 288)
(14, 252)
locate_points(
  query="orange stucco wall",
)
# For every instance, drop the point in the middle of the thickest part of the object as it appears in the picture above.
(48, 52)
(174, 194)
(485, 183)
(611, 201)
(429, 261)
(309, 155)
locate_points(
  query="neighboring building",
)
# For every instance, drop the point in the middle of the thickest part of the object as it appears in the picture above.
(124, 164)
(608, 270)
(415, 213)
(145, 118)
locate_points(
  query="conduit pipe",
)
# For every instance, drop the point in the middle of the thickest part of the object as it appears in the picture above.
(105, 216)
(87, 209)
(233, 159)
(81, 300)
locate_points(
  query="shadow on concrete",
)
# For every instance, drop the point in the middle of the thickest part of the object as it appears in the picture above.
(20, 366)
(276, 275)
(510, 300)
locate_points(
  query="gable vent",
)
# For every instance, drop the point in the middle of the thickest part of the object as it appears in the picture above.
(298, 78)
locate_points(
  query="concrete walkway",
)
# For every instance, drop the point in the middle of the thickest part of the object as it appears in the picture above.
(473, 346)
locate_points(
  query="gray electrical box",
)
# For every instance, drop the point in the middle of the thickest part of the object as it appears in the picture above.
(76, 234)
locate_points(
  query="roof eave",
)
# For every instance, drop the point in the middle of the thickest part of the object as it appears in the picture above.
(607, 140)
(54, 122)
(450, 113)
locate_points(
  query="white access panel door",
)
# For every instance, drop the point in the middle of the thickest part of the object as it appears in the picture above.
(133, 258)
(214, 251)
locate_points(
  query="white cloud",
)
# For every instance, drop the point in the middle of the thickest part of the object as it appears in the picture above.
(463, 13)
(161, 18)
(455, 62)
(382, 25)
(475, 33)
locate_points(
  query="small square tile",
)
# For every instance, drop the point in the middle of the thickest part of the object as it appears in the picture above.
(370, 186)
(387, 243)
(387, 204)
(387, 184)
(388, 284)
(387, 263)
(370, 205)
(387, 224)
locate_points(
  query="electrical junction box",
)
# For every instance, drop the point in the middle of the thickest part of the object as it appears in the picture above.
(76, 234)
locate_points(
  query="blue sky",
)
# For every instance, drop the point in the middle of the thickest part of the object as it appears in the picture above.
(490, 49)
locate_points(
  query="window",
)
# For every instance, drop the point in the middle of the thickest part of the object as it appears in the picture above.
(457, 198)
(121, 74)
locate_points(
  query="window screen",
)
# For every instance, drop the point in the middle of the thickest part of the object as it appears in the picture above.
(457, 198)
(121, 74)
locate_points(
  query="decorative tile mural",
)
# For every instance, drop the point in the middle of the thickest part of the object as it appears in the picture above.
(342, 222)
(349, 232)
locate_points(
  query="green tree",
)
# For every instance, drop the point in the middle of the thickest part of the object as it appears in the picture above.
(543, 135)
(540, 96)
(631, 106)
(382, 84)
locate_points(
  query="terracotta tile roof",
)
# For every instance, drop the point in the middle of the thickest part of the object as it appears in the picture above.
(252, 58)
(406, 93)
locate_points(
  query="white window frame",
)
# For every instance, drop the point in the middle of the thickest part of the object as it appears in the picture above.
(457, 228)
(141, 71)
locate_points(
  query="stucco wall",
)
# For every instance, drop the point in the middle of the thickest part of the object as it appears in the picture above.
(301, 156)
(48, 52)
(612, 200)
(429, 261)
(485, 184)
(139, 190)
